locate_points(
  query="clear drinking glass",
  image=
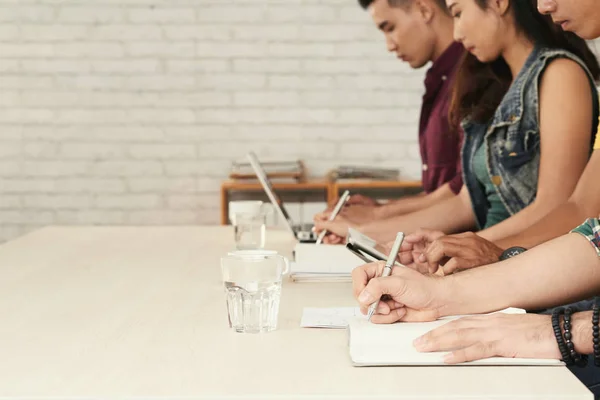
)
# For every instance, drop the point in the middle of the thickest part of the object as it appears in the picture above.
(252, 282)
(250, 230)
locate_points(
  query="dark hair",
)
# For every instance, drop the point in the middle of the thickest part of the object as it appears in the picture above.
(399, 3)
(480, 87)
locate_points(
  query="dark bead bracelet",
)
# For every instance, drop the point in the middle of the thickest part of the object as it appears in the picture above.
(595, 330)
(579, 360)
(564, 352)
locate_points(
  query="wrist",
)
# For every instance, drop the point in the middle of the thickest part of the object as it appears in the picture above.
(582, 332)
(448, 298)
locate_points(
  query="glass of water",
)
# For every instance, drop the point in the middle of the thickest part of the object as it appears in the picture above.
(252, 282)
(250, 230)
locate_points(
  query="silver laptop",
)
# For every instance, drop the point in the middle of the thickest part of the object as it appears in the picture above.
(303, 232)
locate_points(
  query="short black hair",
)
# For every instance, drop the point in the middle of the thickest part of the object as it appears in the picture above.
(398, 3)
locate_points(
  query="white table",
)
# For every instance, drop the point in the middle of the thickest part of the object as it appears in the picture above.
(139, 312)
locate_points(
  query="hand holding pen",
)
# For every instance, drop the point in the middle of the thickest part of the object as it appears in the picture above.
(387, 271)
(338, 207)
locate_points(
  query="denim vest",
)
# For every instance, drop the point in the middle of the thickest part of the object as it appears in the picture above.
(512, 138)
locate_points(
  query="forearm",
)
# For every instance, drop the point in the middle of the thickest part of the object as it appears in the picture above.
(411, 204)
(558, 222)
(527, 217)
(449, 216)
(562, 271)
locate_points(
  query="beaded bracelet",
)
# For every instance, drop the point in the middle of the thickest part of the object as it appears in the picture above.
(578, 359)
(564, 352)
(595, 330)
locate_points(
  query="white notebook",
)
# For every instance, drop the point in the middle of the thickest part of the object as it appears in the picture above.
(387, 345)
(323, 263)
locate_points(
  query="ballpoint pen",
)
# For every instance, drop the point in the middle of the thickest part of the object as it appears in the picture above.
(388, 267)
(338, 207)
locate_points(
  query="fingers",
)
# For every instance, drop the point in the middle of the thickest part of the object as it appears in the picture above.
(424, 235)
(442, 248)
(377, 287)
(323, 216)
(420, 315)
(393, 317)
(455, 264)
(363, 274)
(476, 351)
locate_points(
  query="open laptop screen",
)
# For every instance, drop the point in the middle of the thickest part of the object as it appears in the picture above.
(268, 187)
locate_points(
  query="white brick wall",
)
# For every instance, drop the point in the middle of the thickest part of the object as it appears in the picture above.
(130, 111)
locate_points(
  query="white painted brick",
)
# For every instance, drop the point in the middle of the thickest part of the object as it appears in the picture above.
(199, 99)
(162, 15)
(54, 168)
(57, 202)
(10, 99)
(29, 217)
(229, 14)
(267, 65)
(301, 13)
(200, 167)
(206, 49)
(26, 116)
(372, 151)
(163, 184)
(40, 150)
(96, 15)
(10, 149)
(162, 151)
(161, 49)
(95, 217)
(124, 32)
(127, 168)
(198, 132)
(130, 201)
(26, 50)
(302, 50)
(26, 185)
(10, 66)
(10, 202)
(9, 32)
(89, 49)
(199, 32)
(275, 33)
(144, 66)
(198, 66)
(337, 33)
(160, 82)
(25, 82)
(27, 13)
(90, 185)
(232, 81)
(188, 202)
(51, 33)
(353, 14)
(267, 99)
(163, 217)
(209, 185)
(300, 82)
(108, 133)
(99, 82)
(55, 66)
(91, 150)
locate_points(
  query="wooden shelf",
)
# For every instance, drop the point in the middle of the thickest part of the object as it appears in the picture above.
(331, 190)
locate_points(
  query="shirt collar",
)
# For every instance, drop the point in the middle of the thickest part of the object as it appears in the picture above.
(444, 66)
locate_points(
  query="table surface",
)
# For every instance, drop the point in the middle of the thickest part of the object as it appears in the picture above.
(139, 312)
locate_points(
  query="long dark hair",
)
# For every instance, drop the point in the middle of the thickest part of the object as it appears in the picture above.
(480, 87)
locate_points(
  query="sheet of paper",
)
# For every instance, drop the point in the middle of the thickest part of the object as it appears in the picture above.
(332, 318)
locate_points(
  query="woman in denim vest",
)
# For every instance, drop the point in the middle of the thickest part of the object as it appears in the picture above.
(526, 97)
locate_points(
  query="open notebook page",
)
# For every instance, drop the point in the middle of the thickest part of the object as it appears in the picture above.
(381, 345)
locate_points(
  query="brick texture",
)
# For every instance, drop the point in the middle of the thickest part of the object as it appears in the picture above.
(131, 111)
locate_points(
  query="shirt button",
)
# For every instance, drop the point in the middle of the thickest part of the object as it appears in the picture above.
(444, 77)
(425, 167)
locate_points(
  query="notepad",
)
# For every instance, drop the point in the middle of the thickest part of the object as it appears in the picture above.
(392, 345)
(332, 318)
(322, 263)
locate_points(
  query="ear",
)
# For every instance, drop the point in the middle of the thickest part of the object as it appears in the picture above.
(502, 6)
(425, 9)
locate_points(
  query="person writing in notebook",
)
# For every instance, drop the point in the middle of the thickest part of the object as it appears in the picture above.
(427, 250)
(420, 32)
(528, 105)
